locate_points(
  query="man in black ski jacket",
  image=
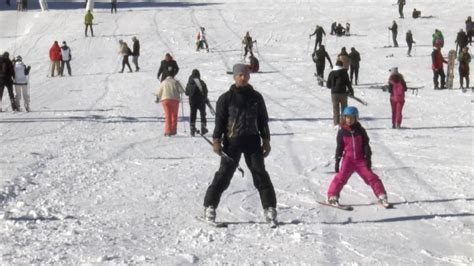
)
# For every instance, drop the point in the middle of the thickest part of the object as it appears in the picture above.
(135, 52)
(394, 30)
(319, 32)
(319, 57)
(168, 67)
(242, 127)
(461, 40)
(340, 85)
(410, 41)
(196, 89)
(354, 57)
(7, 73)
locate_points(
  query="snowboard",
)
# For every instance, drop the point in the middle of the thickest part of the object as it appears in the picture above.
(340, 206)
(450, 74)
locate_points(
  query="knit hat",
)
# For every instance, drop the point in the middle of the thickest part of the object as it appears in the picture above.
(240, 68)
(393, 70)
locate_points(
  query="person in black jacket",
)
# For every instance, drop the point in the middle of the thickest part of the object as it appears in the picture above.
(168, 67)
(135, 52)
(461, 40)
(196, 89)
(394, 30)
(7, 73)
(319, 57)
(340, 85)
(319, 32)
(241, 126)
(410, 41)
(354, 57)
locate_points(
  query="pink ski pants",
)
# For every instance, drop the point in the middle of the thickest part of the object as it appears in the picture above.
(170, 107)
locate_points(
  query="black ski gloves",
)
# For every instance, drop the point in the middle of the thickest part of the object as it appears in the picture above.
(266, 147)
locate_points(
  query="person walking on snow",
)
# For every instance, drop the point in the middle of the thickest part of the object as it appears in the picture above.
(461, 40)
(319, 58)
(354, 57)
(169, 93)
(168, 67)
(21, 83)
(254, 64)
(7, 73)
(241, 127)
(410, 41)
(196, 89)
(343, 56)
(340, 85)
(125, 52)
(201, 41)
(55, 57)
(319, 32)
(469, 29)
(88, 18)
(135, 52)
(353, 149)
(394, 30)
(397, 88)
(401, 4)
(248, 43)
(464, 59)
(66, 57)
(438, 69)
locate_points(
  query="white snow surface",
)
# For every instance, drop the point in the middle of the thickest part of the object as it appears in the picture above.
(87, 177)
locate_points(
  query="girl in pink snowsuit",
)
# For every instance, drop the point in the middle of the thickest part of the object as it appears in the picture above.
(397, 88)
(354, 150)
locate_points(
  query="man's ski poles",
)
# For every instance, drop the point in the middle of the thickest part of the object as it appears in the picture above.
(223, 154)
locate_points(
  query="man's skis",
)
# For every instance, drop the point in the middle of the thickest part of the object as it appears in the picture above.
(211, 223)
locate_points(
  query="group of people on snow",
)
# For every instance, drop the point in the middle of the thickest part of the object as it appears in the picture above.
(125, 51)
(60, 57)
(14, 73)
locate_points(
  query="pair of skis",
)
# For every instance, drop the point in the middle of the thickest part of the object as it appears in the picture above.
(273, 224)
(350, 208)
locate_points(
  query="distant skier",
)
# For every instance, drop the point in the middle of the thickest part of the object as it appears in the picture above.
(464, 59)
(319, 32)
(348, 29)
(125, 51)
(196, 89)
(354, 57)
(469, 29)
(343, 56)
(401, 4)
(410, 41)
(21, 83)
(354, 149)
(88, 18)
(438, 69)
(394, 30)
(66, 57)
(135, 52)
(201, 41)
(248, 44)
(169, 93)
(113, 7)
(254, 64)
(416, 13)
(340, 85)
(7, 73)
(55, 57)
(438, 39)
(333, 28)
(340, 31)
(397, 88)
(461, 40)
(319, 57)
(168, 67)
(241, 127)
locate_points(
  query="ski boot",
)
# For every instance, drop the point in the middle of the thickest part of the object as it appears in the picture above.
(204, 130)
(383, 200)
(333, 200)
(193, 130)
(270, 214)
(210, 214)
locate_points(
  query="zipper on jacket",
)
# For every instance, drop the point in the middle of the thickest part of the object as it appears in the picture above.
(353, 144)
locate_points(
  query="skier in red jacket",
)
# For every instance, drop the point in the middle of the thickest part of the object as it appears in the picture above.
(55, 57)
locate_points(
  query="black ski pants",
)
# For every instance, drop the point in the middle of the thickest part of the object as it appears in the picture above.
(400, 10)
(394, 37)
(354, 71)
(113, 8)
(201, 106)
(439, 74)
(318, 41)
(92, 30)
(409, 47)
(248, 49)
(253, 155)
(65, 63)
(125, 62)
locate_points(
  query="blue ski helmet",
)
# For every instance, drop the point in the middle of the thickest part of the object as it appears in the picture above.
(351, 111)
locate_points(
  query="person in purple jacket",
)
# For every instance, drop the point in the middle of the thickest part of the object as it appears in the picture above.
(354, 150)
(397, 88)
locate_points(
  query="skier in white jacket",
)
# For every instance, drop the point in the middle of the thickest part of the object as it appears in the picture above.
(21, 83)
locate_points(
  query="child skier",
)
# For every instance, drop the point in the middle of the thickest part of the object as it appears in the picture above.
(397, 88)
(353, 147)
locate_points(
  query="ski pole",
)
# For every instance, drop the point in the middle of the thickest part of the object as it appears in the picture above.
(223, 154)
(182, 113)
